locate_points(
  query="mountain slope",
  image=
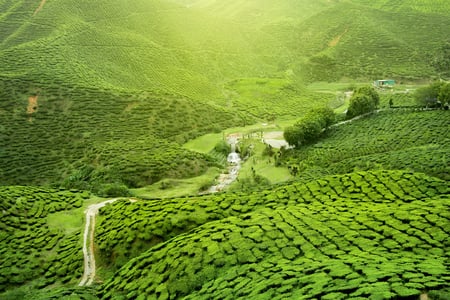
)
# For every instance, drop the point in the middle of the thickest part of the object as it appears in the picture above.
(193, 47)
(209, 63)
(86, 138)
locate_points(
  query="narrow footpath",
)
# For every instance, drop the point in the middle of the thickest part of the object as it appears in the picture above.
(88, 242)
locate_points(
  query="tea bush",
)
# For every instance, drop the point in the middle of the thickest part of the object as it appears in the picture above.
(29, 247)
(399, 139)
(379, 234)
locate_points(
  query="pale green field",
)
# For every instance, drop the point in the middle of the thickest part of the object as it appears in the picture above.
(177, 187)
(71, 220)
(204, 143)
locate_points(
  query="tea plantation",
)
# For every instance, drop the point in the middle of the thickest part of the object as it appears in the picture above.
(98, 97)
(377, 235)
(392, 139)
(33, 248)
(83, 138)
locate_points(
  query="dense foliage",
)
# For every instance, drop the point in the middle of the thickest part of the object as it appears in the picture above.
(308, 129)
(364, 100)
(397, 139)
(30, 246)
(435, 95)
(366, 234)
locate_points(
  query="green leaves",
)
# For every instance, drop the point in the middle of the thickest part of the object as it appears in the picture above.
(364, 100)
(343, 242)
(34, 245)
(310, 127)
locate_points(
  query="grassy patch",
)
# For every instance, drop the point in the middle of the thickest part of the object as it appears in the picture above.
(177, 188)
(204, 143)
(263, 165)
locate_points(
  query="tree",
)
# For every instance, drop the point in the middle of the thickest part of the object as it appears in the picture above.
(310, 127)
(293, 136)
(444, 94)
(371, 92)
(428, 95)
(364, 100)
(360, 104)
(327, 114)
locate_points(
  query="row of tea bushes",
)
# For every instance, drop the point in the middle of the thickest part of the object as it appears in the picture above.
(29, 247)
(74, 128)
(413, 140)
(363, 235)
(125, 229)
(432, 160)
(358, 219)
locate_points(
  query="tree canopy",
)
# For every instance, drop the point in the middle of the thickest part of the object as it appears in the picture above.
(310, 127)
(431, 94)
(364, 100)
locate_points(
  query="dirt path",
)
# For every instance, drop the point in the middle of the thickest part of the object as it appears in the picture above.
(41, 5)
(88, 242)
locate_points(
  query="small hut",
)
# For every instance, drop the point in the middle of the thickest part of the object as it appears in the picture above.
(384, 83)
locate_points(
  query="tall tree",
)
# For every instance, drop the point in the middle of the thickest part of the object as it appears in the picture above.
(364, 100)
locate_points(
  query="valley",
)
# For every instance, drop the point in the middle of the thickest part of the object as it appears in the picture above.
(199, 149)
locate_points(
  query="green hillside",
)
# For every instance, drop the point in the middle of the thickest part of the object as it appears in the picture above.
(395, 140)
(83, 137)
(194, 47)
(230, 62)
(34, 244)
(367, 234)
(97, 99)
(377, 235)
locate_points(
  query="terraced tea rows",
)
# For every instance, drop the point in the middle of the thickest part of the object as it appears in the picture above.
(29, 247)
(390, 139)
(125, 137)
(361, 235)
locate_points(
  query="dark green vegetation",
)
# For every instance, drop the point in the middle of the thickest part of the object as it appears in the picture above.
(32, 247)
(100, 96)
(436, 94)
(310, 127)
(364, 100)
(397, 139)
(91, 139)
(114, 79)
(367, 234)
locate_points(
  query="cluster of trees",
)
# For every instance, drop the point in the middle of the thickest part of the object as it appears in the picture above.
(310, 127)
(437, 94)
(364, 100)
(441, 60)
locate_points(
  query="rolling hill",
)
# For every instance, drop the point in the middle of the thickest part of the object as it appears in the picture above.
(232, 62)
(97, 97)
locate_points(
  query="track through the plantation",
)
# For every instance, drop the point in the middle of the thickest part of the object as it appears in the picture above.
(41, 5)
(88, 242)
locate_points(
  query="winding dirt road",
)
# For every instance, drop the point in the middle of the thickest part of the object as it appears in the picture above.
(88, 242)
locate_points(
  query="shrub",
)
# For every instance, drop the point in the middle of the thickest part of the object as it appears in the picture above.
(429, 95)
(222, 147)
(113, 190)
(309, 129)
